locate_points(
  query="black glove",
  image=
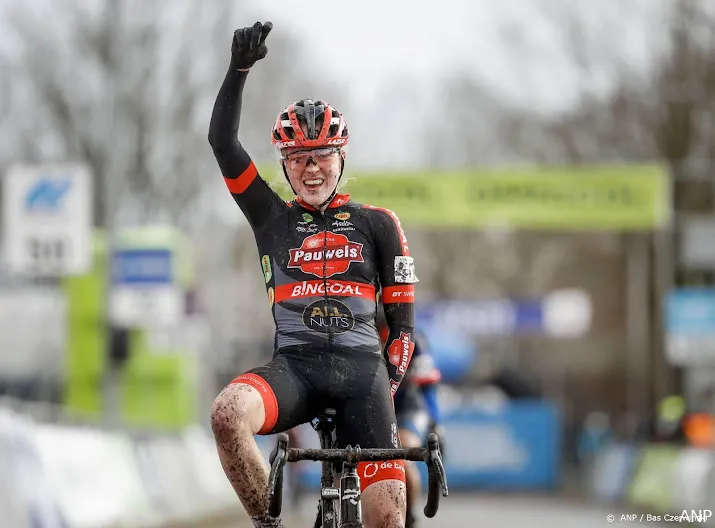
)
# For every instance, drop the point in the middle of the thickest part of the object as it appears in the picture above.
(249, 45)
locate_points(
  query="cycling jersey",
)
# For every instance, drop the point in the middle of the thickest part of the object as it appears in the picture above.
(322, 270)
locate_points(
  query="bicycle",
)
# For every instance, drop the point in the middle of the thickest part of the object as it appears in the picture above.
(345, 500)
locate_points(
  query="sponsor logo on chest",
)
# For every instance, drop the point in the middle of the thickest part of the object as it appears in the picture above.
(325, 254)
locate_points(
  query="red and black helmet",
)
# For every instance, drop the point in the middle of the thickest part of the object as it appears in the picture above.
(324, 126)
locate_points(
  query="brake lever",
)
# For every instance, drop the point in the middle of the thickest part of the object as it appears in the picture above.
(435, 459)
(275, 478)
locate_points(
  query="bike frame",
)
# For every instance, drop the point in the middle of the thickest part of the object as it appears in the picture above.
(346, 498)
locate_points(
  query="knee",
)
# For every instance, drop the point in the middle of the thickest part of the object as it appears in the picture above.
(234, 412)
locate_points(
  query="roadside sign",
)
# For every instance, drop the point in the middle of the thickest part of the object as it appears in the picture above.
(47, 219)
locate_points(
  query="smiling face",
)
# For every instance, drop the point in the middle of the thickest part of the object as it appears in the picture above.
(313, 173)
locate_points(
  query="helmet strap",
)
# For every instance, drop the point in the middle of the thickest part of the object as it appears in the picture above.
(285, 173)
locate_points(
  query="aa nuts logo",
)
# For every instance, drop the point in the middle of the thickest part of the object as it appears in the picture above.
(342, 216)
(328, 315)
(400, 352)
(271, 296)
(325, 254)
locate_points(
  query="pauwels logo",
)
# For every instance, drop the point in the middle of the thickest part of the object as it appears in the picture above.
(400, 352)
(325, 254)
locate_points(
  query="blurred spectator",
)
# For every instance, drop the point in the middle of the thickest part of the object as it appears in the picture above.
(595, 434)
(668, 426)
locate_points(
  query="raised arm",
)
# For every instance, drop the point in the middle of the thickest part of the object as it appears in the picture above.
(252, 194)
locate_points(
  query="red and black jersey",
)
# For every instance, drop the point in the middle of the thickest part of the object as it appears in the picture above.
(323, 270)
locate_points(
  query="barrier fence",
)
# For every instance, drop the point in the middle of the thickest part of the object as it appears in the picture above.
(64, 476)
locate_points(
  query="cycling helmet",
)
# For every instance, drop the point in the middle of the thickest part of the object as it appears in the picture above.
(321, 132)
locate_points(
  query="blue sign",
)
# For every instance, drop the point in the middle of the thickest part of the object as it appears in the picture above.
(47, 194)
(145, 267)
(475, 318)
(690, 327)
(517, 447)
(691, 312)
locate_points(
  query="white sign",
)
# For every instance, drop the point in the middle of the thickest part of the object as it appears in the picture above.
(47, 219)
(146, 307)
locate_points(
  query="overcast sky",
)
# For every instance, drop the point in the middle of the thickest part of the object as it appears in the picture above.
(516, 46)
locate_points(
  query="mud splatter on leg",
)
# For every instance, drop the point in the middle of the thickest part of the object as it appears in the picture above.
(238, 452)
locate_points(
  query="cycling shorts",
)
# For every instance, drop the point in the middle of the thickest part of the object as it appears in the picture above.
(298, 384)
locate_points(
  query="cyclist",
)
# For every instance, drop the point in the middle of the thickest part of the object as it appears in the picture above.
(324, 260)
(417, 410)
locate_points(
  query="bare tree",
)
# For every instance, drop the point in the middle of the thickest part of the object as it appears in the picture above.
(128, 88)
(658, 112)
(462, 126)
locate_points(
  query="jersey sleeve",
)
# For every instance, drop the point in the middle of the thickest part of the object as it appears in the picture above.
(396, 271)
(256, 199)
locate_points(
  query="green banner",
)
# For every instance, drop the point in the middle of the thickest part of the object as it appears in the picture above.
(86, 361)
(622, 198)
(159, 387)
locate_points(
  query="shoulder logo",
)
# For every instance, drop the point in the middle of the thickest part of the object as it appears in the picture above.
(266, 266)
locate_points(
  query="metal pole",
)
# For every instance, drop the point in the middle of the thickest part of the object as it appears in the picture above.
(638, 358)
(111, 177)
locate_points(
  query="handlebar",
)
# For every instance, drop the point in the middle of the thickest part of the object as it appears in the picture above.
(430, 455)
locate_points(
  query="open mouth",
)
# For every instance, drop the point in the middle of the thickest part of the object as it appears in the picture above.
(313, 183)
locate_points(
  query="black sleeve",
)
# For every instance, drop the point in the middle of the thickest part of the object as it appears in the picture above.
(252, 194)
(397, 277)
